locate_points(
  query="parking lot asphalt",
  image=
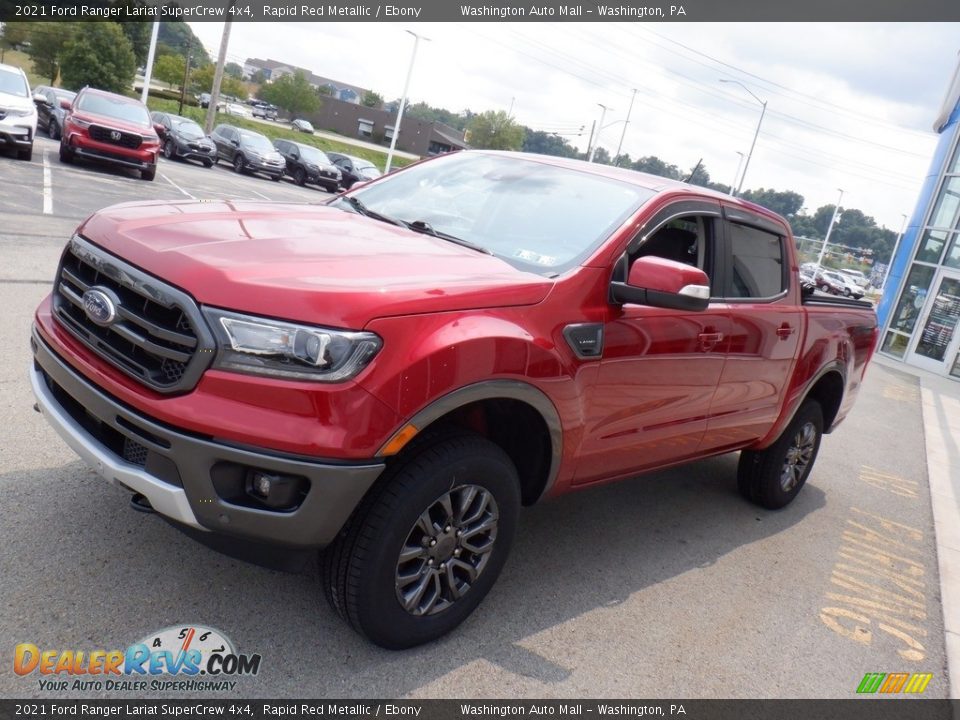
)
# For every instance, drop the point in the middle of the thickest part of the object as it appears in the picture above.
(664, 586)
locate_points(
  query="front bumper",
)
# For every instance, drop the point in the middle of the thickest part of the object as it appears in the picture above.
(16, 136)
(86, 147)
(200, 153)
(255, 164)
(190, 479)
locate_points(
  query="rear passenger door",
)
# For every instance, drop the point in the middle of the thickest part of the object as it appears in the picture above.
(766, 322)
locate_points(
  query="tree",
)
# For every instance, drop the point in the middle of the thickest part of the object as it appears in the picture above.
(170, 69)
(201, 79)
(229, 85)
(537, 141)
(234, 70)
(99, 54)
(13, 35)
(786, 203)
(325, 90)
(371, 99)
(655, 166)
(178, 36)
(259, 77)
(47, 44)
(601, 156)
(138, 33)
(495, 130)
(293, 93)
(699, 176)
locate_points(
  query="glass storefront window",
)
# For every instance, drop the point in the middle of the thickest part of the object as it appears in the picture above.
(947, 210)
(895, 344)
(931, 245)
(912, 298)
(953, 254)
(954, 166)
(941, 322)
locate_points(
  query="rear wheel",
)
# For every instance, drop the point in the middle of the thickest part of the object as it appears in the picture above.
(53, 129)
(427, 544)
(772, 477)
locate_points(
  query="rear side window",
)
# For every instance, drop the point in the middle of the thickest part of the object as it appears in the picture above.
(757, 262)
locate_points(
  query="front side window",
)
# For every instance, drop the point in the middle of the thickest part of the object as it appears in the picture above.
(688, 239)
(757, 262)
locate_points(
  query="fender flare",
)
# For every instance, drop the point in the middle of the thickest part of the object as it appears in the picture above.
(494, 390)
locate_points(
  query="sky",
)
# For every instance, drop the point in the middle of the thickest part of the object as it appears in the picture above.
(849, 105)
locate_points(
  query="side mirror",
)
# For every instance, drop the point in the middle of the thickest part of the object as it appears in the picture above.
(160, 129)
(66, 104)
(41, 99)
(235, 142)
(663, 283)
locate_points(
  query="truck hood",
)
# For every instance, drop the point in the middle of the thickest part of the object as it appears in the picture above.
(310, 263)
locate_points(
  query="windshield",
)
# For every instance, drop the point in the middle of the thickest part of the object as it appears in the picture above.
(256, 142)
(311, 154)
(188, 128)
(13, 83)
(64, 94)
(535, 215)
(118, 108)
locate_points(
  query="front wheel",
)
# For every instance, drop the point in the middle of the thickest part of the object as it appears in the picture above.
(238, 164)
(66, 154)
(772, 477)
(169, 152)
(427, 544)
(300, 176)
(149, 173)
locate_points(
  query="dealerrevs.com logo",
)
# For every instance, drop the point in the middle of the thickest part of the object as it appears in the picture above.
(187, 658)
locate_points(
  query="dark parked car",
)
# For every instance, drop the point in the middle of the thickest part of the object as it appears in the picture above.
(303, 126)
(183, 138)
(204, 100)
(248, 151)
(307, 164)
(50, 112)
(110, 128)
(353, 169)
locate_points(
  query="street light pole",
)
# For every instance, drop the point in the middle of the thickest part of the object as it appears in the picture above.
(896, 246)
(603, 114)
(148, 74)
(737, 173)
(403, 100)
(826, 240)
(763, 111)
(624, 133)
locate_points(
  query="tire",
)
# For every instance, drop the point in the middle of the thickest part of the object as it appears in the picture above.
(149, 174)
(825, 288)
(846, 292)
(238, 164)
(25, 154)
(66, 154)
(53, 130)
(208, 163)
(772, 477)
(300, 176)
(332, 188)
(360, 571)
(169, 151)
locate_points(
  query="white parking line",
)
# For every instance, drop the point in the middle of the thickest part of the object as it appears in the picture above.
(259, 193)
(177, 187)
(47, 186)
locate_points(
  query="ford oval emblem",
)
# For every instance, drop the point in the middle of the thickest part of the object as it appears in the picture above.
(99, 307)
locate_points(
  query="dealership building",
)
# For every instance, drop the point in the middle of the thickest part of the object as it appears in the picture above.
(920, 309)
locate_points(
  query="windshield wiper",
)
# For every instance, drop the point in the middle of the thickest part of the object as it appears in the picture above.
(358, 205)
(426, 228)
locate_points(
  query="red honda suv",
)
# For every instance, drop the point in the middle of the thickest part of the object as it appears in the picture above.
(110, 128)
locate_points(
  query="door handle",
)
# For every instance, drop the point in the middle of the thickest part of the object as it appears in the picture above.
(784, 331)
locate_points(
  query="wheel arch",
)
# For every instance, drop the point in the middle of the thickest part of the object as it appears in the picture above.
(515, 415)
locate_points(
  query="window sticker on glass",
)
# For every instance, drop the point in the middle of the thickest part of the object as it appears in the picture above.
(536, 258)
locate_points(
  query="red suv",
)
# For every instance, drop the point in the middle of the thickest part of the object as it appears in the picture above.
(110, 128)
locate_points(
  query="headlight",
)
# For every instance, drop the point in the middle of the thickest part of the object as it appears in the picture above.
(312, 167)
(280, 349)
(17, 112)
(80, 123)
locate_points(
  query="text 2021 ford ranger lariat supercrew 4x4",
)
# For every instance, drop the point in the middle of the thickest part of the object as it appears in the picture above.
(389, 376)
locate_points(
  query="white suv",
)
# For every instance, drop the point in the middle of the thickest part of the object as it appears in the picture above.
(18, 114)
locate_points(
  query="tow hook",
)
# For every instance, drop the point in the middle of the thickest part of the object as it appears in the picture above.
(139, 502)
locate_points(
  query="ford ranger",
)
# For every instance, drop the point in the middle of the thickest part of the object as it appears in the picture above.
(388, 376)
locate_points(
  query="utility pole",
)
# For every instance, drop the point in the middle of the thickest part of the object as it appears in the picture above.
(833, 220)
(218, 73)
(603, 114)
(737, 173)
(148, 75)
(186, 76)
(756, 132)
(593, 127)
(633, 97)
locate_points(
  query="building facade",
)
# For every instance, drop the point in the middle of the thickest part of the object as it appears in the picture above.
(919, 313)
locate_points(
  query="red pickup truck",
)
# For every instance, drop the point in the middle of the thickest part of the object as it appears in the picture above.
(390, 375)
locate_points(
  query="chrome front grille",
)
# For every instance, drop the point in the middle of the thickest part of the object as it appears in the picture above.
(156, 334)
